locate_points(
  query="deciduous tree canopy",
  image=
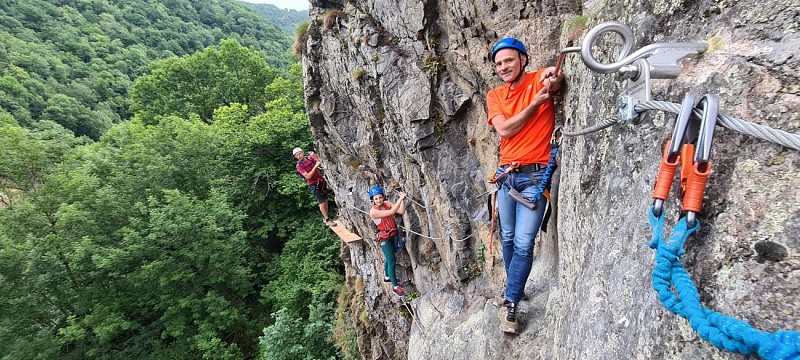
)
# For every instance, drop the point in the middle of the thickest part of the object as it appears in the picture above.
(181, 233)
(73, 61)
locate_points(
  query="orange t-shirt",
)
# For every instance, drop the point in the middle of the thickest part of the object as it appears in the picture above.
(531, 145)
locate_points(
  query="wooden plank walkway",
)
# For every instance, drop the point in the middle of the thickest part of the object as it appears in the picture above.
(344, 234)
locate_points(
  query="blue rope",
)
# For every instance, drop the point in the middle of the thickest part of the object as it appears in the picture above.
(677, 292)
(548, 173)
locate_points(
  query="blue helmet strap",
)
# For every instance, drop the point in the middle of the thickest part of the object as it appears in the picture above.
(522, 67)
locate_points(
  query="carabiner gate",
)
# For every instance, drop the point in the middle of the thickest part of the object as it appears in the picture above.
(695, 168)
(671, 155)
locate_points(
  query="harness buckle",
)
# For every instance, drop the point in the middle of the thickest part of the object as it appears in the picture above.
(495, 178)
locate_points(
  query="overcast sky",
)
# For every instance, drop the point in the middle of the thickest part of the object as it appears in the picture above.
(283, 4)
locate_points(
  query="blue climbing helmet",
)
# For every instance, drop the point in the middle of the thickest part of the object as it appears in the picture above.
(375, 190)
(508, 43)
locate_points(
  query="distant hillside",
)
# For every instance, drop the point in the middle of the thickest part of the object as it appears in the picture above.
(72, 61)
(286, 19)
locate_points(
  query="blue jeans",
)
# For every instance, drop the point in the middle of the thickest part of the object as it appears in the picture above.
(518, 228)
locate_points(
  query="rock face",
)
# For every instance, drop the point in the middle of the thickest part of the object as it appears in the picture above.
(395, 92)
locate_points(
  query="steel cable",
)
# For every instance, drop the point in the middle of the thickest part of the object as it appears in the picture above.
(780, 137)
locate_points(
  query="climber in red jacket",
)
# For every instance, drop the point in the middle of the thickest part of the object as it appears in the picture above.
(308, 167)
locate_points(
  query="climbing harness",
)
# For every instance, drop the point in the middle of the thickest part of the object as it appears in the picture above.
(306, 163)
(541, 190)
(387, 228)
(544, 185)
(495, 178)
(689, 147)
(318, 185)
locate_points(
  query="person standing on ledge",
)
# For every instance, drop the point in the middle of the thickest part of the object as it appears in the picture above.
(382, 213)
(522, 113)
(308, 167)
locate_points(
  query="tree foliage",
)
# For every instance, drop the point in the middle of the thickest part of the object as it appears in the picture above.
(200, 83)
(170, 237)
(72, 61)
(303, 330)
(29, 155)
(293, 338)
(285, 19)
(119, 248)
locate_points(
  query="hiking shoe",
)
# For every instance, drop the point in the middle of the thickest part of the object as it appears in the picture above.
(508, 319)
(386, 279)
(329, 222)
(399, 291)
(401, 245)
(500, 300)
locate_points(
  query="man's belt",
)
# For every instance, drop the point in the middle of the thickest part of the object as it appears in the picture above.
(527, 168)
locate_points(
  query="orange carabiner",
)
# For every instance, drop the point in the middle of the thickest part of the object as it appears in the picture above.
(671, 155)
(690, 145)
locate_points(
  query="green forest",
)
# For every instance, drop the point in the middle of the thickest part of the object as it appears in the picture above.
(149, 205)
(285, 19)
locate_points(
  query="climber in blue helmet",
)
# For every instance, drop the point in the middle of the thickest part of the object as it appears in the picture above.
(523, 115)
(511, 43)
(382, 213)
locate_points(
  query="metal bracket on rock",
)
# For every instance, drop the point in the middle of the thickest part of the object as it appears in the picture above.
(654, 61)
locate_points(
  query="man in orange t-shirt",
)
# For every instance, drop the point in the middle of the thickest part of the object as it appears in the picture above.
(522, 113)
